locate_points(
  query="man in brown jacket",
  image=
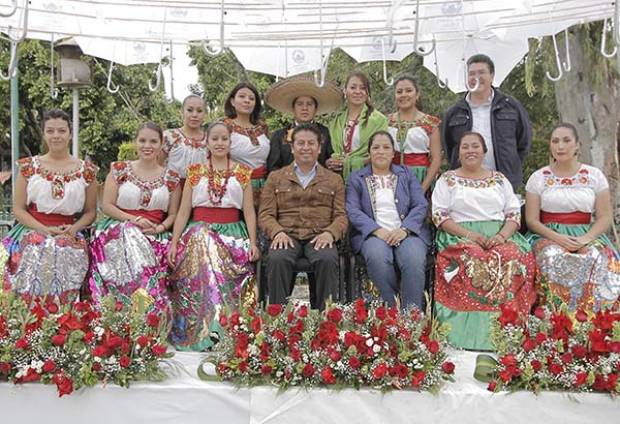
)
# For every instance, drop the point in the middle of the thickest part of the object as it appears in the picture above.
(302, 212)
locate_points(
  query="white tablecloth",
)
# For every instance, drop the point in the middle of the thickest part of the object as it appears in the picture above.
(183, 398)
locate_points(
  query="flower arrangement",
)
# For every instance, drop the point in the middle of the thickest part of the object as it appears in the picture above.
(345, 346)
(557, 350)
(76, 345)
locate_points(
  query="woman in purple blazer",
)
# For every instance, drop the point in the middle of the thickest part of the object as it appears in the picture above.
(387, 208)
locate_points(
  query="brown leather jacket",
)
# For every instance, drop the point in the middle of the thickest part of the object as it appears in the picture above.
(303, 214)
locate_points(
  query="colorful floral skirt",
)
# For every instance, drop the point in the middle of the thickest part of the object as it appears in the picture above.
(43, 266)
(472, 282)
(125, 261)
(588, 279)
(214, 270)
(419, 172)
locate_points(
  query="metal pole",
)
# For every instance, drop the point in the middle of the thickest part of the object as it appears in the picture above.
(14, 126)
(76, 123)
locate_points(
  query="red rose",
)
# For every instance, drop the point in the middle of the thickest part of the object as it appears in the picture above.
(223, 320)
(433, 346)
(302, 312)
(492, 386)
(536, 365)
(508, 315)
(581, 378)
(417, 378)
(539, 313)
(334, 355)
(59, 339)
(361, 313)
(597, 342)
(158, 350)
(142, 340)
(113, 342)
(5, 368)
(274, 309)
(22, 343)
(379, 371)
(541, 337)
(96, 367)
(81, 306)
(505, 375)
(308, 371)
(49, 366)
(243, 366)
(152, 320)
(265, 369)
(290, 317)
(614, 347)
(555, 368)
(349, 338)
(255, 325)
(381, 313)
(447, 367)
(88, 337)
(579, 351)
(52, 308)
(508, 361)
(354, 362)
(279, 335)
(63, 383)
(125, 361)
(327, 376)
(235, 318)
(100, 351)
(334, 315)
(567, 357)
(31, 375)
(581, 316)
(529, 345)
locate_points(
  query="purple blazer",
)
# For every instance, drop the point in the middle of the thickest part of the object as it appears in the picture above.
(410, 202)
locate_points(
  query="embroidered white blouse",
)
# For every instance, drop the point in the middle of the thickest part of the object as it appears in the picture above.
(136, 194)
(249, 146)
(567, 194)
(61, 193)
(198, 177)
(382, 189)
(464, 199)
(183, 151)
(417, 138)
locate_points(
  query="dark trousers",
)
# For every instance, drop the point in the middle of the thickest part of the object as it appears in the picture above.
(280, 265)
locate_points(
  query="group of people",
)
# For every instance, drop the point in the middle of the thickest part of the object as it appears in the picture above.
(184, 222)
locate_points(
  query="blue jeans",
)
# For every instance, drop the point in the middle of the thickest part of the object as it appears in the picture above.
(410, 257)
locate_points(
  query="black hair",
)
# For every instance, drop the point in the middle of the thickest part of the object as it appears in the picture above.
(569, 126)
(215, 124)
(151, 126)
(412, 80)
(482, 58)
(313, 128)
(192, 96)
(229, 109)
(476, 134)
(369, 107)
(316, 102)
(55, 114)
(378, 133)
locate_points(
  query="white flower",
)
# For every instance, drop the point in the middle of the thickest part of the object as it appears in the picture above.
(99, 331)
(369, 342)
(279, 374)
(111, 360)
(376, 348)
(97, 359)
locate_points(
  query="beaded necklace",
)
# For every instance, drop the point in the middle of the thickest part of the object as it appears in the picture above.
(217, 182)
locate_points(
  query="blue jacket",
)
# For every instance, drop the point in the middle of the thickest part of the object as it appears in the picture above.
(410, 202)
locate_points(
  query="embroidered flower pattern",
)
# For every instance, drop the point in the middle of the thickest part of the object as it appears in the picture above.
(123, 173)
(427, 122)
(252, 133)
(176, 138)
(581, 178)
(439, 216)
(31, 166)
(452, 179)
(197, 171)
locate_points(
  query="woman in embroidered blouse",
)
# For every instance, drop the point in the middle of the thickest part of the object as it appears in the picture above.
(187, 145)
(418, 145)
(249, 135)
(568, 210)
(352, 127)
(482, 261)
(212, 257)
(55, 199)
(128, 252)
(387, 208)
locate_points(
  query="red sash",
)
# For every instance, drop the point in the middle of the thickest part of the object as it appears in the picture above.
(565, 218)
(156, 216)
(216, 215)
(258, 173)
(50, 219)
(412, 159)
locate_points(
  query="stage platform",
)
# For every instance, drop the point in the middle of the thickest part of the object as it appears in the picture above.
(183, 398)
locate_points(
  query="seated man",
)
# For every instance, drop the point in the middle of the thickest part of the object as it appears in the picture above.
(302, 212)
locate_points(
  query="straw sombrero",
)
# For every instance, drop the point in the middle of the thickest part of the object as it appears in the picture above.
(282, 94)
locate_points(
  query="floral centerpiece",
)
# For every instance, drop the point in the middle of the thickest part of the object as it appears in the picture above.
(557, 350)
(345, 346)
(74, 346)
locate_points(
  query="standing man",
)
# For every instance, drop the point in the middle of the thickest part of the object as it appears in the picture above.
(302, 212)
(501, 119)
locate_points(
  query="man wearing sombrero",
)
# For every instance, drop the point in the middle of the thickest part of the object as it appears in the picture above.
(301, 97)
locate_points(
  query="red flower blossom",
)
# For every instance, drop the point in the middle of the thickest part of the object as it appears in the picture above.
(49, 366)
(433, 346)
(308, 371)
(529, 345)
(125, 361)
(243, 366)
(152, 320)
(508, 361)
(89, 336)
(334, 355)
(492, 386)
(274, 309)
(52, 308)
(508, 315)
(302, 311)
(100, 351)
(536, 365)
(5, 368)
(379, 371)
(581, 316)
(541, 337)
(63, 383)
(354, 362)
(22, 343)
(448, 367)
(579, 351)
(381, 313)
(255, 325)
(265, 369)
(361, 313)
(334, 315)
(581, 378)
(327, 376)
(555, 368)
(81, 307)
(417, 378)
(539, 313)
(143, 340)
(566, 357)
(158, 350)
(68, 321)
(562, 326)
(598, 343)
(234, 319)
(59, 339)
(31, 375)
(112, 341)
(223, 320)
(279, 335)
